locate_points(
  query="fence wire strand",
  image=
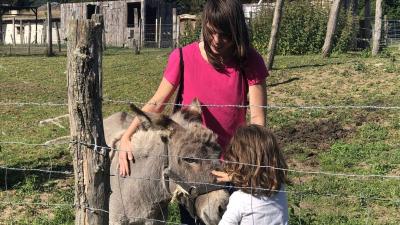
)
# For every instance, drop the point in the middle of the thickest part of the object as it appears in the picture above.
(97, 147)
(278, 107)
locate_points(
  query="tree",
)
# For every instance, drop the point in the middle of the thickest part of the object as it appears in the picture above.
(378, 28)
(274, 33)
(331, 28)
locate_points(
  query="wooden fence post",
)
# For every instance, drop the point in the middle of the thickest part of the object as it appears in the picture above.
(386, 29)
(21, 33)
(50, 30)
(156, 33)
(91, 163)
(29, 38)
(173, 27)
(160, 34)
(14, 31)
(58, 37)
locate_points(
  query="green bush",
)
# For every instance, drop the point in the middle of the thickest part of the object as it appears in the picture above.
(190, 34)
(303, 29)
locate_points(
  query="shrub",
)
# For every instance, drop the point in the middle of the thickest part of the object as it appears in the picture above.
(303, 29)
(190, 34)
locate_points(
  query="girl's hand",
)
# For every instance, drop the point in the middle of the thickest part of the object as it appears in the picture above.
(125, 155)
(221, 176)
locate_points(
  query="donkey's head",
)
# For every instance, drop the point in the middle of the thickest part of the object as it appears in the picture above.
(193, 152)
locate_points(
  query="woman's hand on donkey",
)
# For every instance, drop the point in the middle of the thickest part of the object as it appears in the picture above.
(124, 155)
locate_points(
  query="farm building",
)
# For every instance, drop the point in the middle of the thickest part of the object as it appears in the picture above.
(121, 23)
(21, 23)
(125, 19)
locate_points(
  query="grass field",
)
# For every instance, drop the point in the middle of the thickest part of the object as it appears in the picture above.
(336, 140)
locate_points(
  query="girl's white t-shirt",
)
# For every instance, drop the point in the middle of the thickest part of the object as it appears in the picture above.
(246, 209)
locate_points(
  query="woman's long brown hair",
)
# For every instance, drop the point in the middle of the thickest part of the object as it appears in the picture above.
(257, 152)
(227, 18)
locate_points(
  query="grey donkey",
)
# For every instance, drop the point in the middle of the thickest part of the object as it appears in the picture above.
(155, 179)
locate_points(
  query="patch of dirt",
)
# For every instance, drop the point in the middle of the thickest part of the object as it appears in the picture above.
(318, 135)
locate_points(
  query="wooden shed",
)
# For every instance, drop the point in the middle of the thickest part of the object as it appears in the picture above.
(28, 23)
(125, 19)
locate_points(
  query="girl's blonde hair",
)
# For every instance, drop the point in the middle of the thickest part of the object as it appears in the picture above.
(257, 155)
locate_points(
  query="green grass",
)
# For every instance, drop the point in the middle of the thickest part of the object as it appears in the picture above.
(335, 140)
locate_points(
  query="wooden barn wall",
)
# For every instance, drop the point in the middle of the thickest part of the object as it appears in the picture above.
(115, 19)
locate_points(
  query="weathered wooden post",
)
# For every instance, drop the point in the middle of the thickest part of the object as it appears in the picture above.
(21, 32)
(156, 33)
(1, 28)
(173, 27)
(141, 33)
(44, 33)
(29, 38)
(58, 37)
(49, 31)
(178, 29)
(386, 29)
(14, 31)
(136, 32)
(91, 163)
(160, 34)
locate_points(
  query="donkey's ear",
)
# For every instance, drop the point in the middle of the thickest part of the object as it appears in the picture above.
(195, 106)
(192, 113)
(155, 121)
(145, 118)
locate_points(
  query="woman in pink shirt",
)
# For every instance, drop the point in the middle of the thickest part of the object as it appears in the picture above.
(219, 70)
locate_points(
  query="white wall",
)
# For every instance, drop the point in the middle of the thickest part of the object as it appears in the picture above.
(8, 29)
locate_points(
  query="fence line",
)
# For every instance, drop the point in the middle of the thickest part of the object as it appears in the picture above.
(96, 147)
(223, 186)
(301, 107)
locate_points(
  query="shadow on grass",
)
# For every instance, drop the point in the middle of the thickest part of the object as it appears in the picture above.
(309, 65)
(11, 179)
(284, 82)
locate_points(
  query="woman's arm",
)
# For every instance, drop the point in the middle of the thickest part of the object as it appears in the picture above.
(257, 97)
(155, 104)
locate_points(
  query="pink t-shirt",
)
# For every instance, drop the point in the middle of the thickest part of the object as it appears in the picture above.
(211, 87)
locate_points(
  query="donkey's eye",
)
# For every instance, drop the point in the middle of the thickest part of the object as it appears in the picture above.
(191, 160)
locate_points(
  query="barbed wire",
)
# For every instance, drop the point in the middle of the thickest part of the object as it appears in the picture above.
(37, 204)
(301, 107)
(33, 103)
(326, 173)
(36, 170)
(223, 186)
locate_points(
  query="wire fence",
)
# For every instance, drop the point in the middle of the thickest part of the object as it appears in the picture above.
(392, 34)
(361, 197)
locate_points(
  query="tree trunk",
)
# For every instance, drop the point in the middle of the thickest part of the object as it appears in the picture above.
(91, 163)
(377, 28)
(331, 28)
(274, 33)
